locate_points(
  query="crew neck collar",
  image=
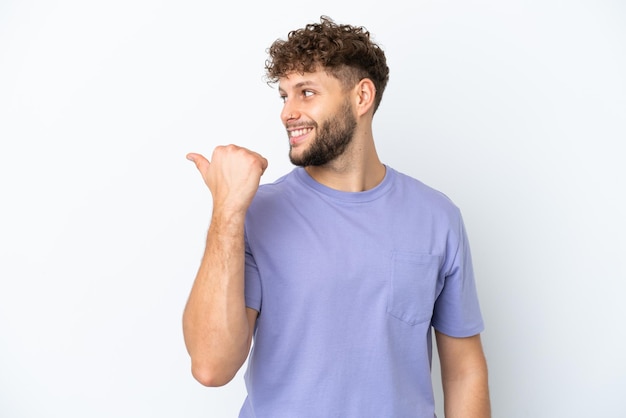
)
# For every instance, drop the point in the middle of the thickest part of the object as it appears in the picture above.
(355, 197)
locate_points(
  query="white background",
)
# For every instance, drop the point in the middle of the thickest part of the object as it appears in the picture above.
(514, 109)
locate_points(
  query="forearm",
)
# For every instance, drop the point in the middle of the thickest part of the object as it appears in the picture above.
(215, 324)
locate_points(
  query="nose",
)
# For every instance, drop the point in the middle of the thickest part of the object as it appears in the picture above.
(288, 113)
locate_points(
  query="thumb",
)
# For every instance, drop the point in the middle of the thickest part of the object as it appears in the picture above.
(199, 160)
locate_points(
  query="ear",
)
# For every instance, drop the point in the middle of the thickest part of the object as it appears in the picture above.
(365, 96)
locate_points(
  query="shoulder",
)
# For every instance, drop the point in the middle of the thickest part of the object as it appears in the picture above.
(417, 193)
(276, 188)
(275, 195)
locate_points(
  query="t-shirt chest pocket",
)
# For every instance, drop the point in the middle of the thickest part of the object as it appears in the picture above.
(412, 286)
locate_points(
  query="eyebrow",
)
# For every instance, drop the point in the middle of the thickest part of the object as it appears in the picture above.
(299, 85)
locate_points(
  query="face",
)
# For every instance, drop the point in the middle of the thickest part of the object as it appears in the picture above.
(318, 116)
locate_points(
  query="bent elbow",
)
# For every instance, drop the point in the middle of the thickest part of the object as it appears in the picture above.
(210, 376)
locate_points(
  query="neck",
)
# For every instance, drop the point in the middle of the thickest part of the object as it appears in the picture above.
(356, 170)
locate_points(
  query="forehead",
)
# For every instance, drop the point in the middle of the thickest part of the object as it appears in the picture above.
(317, 79)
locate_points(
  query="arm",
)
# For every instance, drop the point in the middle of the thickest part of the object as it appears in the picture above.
(217, 326)
(464, 377)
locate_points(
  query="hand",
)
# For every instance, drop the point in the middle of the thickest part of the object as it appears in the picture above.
(233, 175)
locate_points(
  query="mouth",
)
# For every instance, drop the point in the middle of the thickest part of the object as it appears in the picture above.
(298, 135)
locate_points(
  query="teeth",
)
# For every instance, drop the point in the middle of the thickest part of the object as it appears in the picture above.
(299, 132)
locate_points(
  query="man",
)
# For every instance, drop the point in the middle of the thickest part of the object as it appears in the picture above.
(338, 270)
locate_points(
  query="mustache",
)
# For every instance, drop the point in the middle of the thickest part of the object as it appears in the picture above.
(299, 125)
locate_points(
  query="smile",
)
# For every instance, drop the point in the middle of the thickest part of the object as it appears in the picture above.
(299, 132)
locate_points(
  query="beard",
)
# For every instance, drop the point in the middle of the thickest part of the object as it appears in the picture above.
(332, 138)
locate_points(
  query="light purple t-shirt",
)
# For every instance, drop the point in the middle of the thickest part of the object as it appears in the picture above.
(348, 286)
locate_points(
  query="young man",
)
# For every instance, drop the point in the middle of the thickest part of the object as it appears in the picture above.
(340, 269)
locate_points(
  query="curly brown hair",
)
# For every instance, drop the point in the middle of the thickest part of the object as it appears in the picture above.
(346, 52)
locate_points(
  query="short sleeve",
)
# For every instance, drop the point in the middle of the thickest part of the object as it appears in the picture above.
(252, 286)
(457, 310)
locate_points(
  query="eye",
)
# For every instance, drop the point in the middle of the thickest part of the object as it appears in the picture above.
(307, 93)
(283, 98)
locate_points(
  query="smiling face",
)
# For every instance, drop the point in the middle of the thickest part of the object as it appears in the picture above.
(319, 117)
